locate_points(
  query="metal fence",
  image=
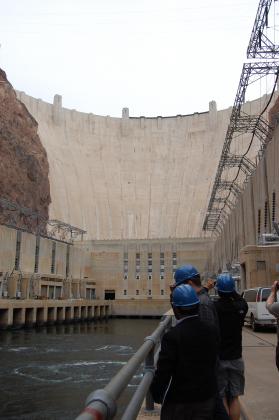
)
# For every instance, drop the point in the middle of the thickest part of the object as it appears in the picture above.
(102, 404)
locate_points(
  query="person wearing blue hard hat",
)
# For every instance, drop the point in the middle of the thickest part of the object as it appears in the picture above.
(185, 273)
(185, 379)
(225, 283)
(188, 274)
(231, 309)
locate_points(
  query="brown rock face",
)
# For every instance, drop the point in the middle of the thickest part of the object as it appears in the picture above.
(23, 160)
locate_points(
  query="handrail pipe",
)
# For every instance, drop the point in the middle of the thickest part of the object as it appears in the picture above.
(102, 403)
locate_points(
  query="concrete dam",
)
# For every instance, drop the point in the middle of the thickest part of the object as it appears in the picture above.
(133, 177)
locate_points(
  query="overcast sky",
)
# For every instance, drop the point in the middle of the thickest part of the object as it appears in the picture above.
(157, 57)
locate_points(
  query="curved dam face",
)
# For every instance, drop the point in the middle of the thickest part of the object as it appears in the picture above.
(130, 178)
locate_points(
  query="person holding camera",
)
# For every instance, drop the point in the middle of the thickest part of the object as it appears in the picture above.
(273, 307)
(188, 274)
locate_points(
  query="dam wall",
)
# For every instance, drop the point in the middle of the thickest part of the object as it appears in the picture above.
(133, 177)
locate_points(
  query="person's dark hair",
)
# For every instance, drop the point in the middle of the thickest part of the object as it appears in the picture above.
(196, 280)
(185, 311)
(230, 296)
(236, 295)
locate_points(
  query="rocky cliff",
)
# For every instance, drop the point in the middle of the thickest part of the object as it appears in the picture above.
(23, 161)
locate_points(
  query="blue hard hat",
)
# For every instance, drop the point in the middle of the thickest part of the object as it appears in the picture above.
(185, 272)
(184, 295)
(225, 283)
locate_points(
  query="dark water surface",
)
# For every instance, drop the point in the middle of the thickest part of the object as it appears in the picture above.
(47, 373)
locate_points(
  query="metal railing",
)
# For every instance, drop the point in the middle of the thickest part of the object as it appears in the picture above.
(102, 403)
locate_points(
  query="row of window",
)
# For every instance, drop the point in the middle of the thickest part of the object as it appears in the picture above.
(149, 292)
(266, 210)
(162, 276)
(149, 262)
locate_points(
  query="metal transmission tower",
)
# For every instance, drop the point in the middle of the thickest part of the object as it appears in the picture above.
(23, 218)
(225, 191)
(260, 46)
(240, 123)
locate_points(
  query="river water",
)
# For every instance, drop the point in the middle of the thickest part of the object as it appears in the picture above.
(47, 373)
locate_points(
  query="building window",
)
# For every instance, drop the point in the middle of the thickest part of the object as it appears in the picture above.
(109, 294)
(174, 261)
(53, 256)
(18, 246)
(265, 214)
(68, 261)
(149, 262)
(125, 265)
(259, 221)
(162, 265)
(137, 265)
(125, 292)
(162, 277)
(149, 292)
(90, 294)
(149, 276)
(162, 292)
(37, 254)
(273, 206)
(261, 265)
(137, 277)
(137, 292)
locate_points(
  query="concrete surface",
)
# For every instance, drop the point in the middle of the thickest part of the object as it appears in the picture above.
(133, 178)
(262, 376)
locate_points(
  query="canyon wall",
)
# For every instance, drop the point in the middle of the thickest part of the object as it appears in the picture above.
(23, 160)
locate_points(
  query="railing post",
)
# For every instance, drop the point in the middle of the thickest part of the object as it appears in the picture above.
(149, 366)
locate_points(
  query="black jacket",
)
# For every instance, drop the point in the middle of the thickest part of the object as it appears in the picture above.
(186, 366)
(231, 313)
(207, 309)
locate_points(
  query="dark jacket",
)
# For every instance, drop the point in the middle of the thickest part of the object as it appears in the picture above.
(207, 309)
(231, 313)
(187, 360)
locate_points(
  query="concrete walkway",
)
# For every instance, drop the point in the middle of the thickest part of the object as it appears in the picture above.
(262, 376)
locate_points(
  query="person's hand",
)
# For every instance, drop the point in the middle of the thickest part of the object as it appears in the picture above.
(275, 286)
(210, 284)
